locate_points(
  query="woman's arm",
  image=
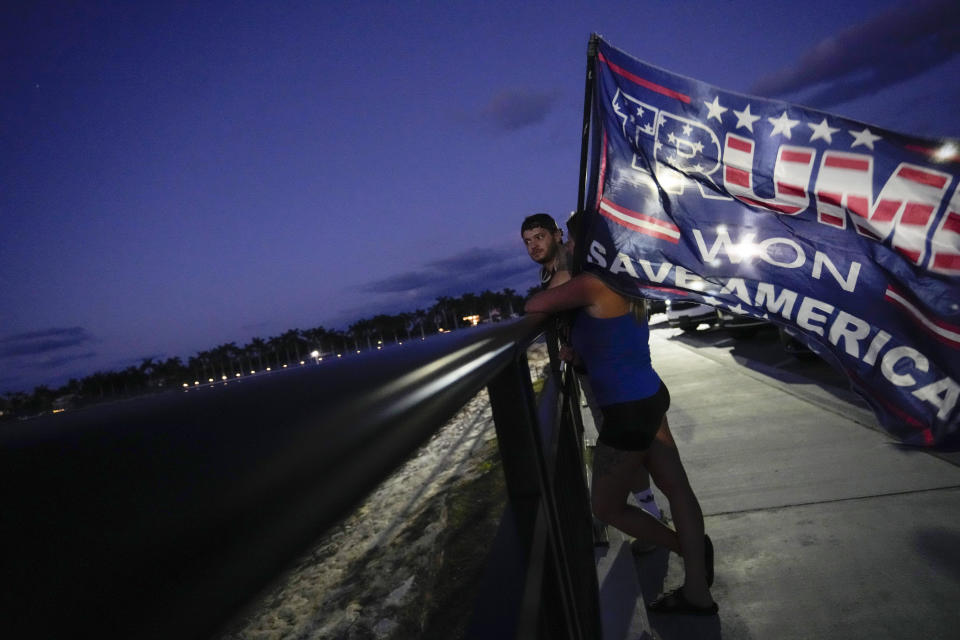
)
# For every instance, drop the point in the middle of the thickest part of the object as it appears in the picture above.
(581, 291)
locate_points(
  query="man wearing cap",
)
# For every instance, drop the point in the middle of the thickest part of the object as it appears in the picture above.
(544, 242)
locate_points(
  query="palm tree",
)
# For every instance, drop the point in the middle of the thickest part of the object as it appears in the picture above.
(171, 372)
(291, 341)
(510, 295)
(361, 329)
(148, 368)
(316, 338)
(419, 318)
(230, 352)
(275, 344)
(441, 309)
(256, 348)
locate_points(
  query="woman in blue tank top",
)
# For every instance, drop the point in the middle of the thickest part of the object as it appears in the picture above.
(614, 344)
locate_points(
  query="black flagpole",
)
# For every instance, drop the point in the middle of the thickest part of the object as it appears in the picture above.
(585, 131)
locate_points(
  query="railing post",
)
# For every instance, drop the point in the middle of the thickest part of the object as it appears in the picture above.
(577, 516)
(534, 485)
(512, 404)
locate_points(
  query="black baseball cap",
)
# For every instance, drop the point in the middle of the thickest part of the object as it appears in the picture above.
(544, 220)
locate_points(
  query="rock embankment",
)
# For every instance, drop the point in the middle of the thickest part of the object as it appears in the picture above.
(403, 564)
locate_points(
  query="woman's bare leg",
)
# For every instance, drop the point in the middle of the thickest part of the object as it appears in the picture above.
(663, 461)
(614, 476)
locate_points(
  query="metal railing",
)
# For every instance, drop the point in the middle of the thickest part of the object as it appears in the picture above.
(161, 517)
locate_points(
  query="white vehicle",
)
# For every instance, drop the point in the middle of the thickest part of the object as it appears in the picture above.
(688, 316)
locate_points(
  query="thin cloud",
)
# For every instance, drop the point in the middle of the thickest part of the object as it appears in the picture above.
(60, 361)
(513, 109)
(408, 281)
(895, 46)
(468, 271)
(44, 341)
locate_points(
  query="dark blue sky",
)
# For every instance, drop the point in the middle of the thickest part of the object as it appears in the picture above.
(177, 175)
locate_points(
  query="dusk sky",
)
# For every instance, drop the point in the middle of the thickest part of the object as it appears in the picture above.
(178, 175)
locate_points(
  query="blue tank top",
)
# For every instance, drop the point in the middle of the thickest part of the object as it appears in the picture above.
(617, 354)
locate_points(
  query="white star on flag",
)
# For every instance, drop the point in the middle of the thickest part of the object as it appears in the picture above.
(822, 131)
(865, 137)
(745, 119)
(714, 109)
(782, 125)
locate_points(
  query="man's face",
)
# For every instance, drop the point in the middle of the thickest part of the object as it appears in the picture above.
(541, 244)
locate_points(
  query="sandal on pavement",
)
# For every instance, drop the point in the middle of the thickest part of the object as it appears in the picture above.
(675, 602)
(708, 558)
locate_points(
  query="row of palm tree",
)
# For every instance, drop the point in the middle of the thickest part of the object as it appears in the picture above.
(290, 348)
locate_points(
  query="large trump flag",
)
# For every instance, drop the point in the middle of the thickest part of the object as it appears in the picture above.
(844, 232)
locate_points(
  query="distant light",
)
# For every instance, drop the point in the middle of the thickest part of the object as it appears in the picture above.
(339, 355)
(379, 341)
(946, 152)
(302, 362)
(379, 347)
(358, 350)
(284, 366)
(314, 354)
(196, 382)
(399, 343)
(268, 368)
(238, 375)
(223, 377)
(185, 384)
(319, 359)
(252, 372)
(209, 379)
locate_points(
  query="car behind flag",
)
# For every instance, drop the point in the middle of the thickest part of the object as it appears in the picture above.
(847, 233)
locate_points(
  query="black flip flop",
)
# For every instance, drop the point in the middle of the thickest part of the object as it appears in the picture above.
(674, 602)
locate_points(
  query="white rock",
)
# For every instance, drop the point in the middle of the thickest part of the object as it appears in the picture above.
(384, 628)
(397, 596)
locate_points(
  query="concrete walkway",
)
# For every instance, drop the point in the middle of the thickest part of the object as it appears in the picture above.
(823, 526)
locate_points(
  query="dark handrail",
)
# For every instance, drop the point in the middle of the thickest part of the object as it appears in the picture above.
(161, 517)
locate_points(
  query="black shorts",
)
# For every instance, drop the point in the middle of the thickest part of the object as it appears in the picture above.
(632, 426)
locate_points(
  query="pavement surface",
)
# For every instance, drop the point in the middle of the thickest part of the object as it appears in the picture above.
(824, 527)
